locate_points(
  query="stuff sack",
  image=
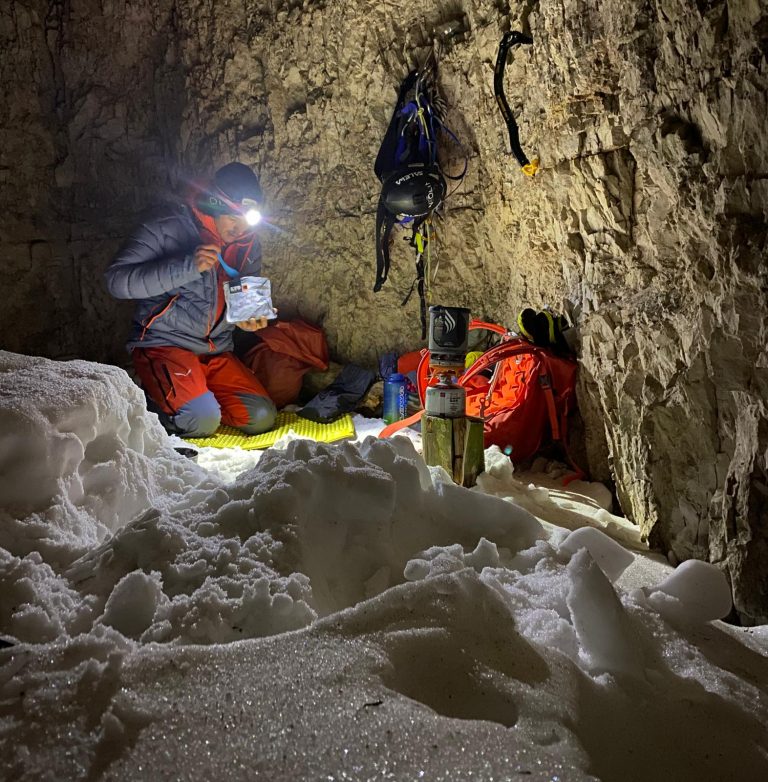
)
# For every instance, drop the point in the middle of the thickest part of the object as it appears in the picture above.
(284, 353)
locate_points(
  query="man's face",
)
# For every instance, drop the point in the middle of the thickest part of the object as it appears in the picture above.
(232, 227)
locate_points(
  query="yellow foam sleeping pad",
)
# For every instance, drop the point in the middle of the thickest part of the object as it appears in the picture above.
(229, 437)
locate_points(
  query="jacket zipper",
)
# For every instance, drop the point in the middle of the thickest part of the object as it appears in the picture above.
(171, 389)
(154, 317)
(213, 308)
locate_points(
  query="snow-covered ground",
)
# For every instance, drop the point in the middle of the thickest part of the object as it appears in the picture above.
(339, 612)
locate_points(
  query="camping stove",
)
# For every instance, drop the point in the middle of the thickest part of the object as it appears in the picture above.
(448, 337)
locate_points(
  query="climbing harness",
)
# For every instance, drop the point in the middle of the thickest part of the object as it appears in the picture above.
(509, 41)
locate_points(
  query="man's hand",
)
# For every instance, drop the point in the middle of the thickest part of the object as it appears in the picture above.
(253, 324)
(206, 257)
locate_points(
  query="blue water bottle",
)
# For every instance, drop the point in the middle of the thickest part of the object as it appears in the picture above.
(395, 398)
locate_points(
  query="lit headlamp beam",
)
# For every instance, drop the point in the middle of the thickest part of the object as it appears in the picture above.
(252, 217)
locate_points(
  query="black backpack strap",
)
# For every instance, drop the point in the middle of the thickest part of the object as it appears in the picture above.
(384, 224)
(385, 160)
(419, 285)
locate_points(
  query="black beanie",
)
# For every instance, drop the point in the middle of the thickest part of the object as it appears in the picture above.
(237, 182)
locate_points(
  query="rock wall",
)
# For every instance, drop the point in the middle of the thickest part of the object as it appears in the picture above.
(94, 99)
(647, 220)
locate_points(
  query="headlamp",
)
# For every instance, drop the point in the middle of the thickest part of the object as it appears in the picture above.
(251, 212)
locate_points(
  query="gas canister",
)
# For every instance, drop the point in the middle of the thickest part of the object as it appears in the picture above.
(445, 400)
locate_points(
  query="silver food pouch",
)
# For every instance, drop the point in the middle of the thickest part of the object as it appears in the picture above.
(248, 297)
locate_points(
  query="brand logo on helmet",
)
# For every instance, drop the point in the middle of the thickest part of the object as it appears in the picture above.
(406, 177)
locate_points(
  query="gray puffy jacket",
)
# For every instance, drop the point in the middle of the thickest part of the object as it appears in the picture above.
(176, 304)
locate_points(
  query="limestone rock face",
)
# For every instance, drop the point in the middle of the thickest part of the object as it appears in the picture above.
(647, 220)
(93, 95)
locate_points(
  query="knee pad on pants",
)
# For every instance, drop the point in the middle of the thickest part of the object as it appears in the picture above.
(199, 417)
(261, 414)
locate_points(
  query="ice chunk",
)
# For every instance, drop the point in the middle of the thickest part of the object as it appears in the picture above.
(486, 554)
(612, 557)
(694, 590)
(498, 465)
(416, 570)
(608, 643)
(133, 602)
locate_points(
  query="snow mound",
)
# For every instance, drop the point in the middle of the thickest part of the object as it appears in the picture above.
(607, 640)
(439, 632)
(107, 527)
(580, 504)
(310, 530)
(563, 602)
(79, 455)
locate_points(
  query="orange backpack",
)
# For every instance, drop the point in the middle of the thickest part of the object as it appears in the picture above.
(528, 395)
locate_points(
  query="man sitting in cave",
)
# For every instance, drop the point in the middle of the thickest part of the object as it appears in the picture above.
(181, 344)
